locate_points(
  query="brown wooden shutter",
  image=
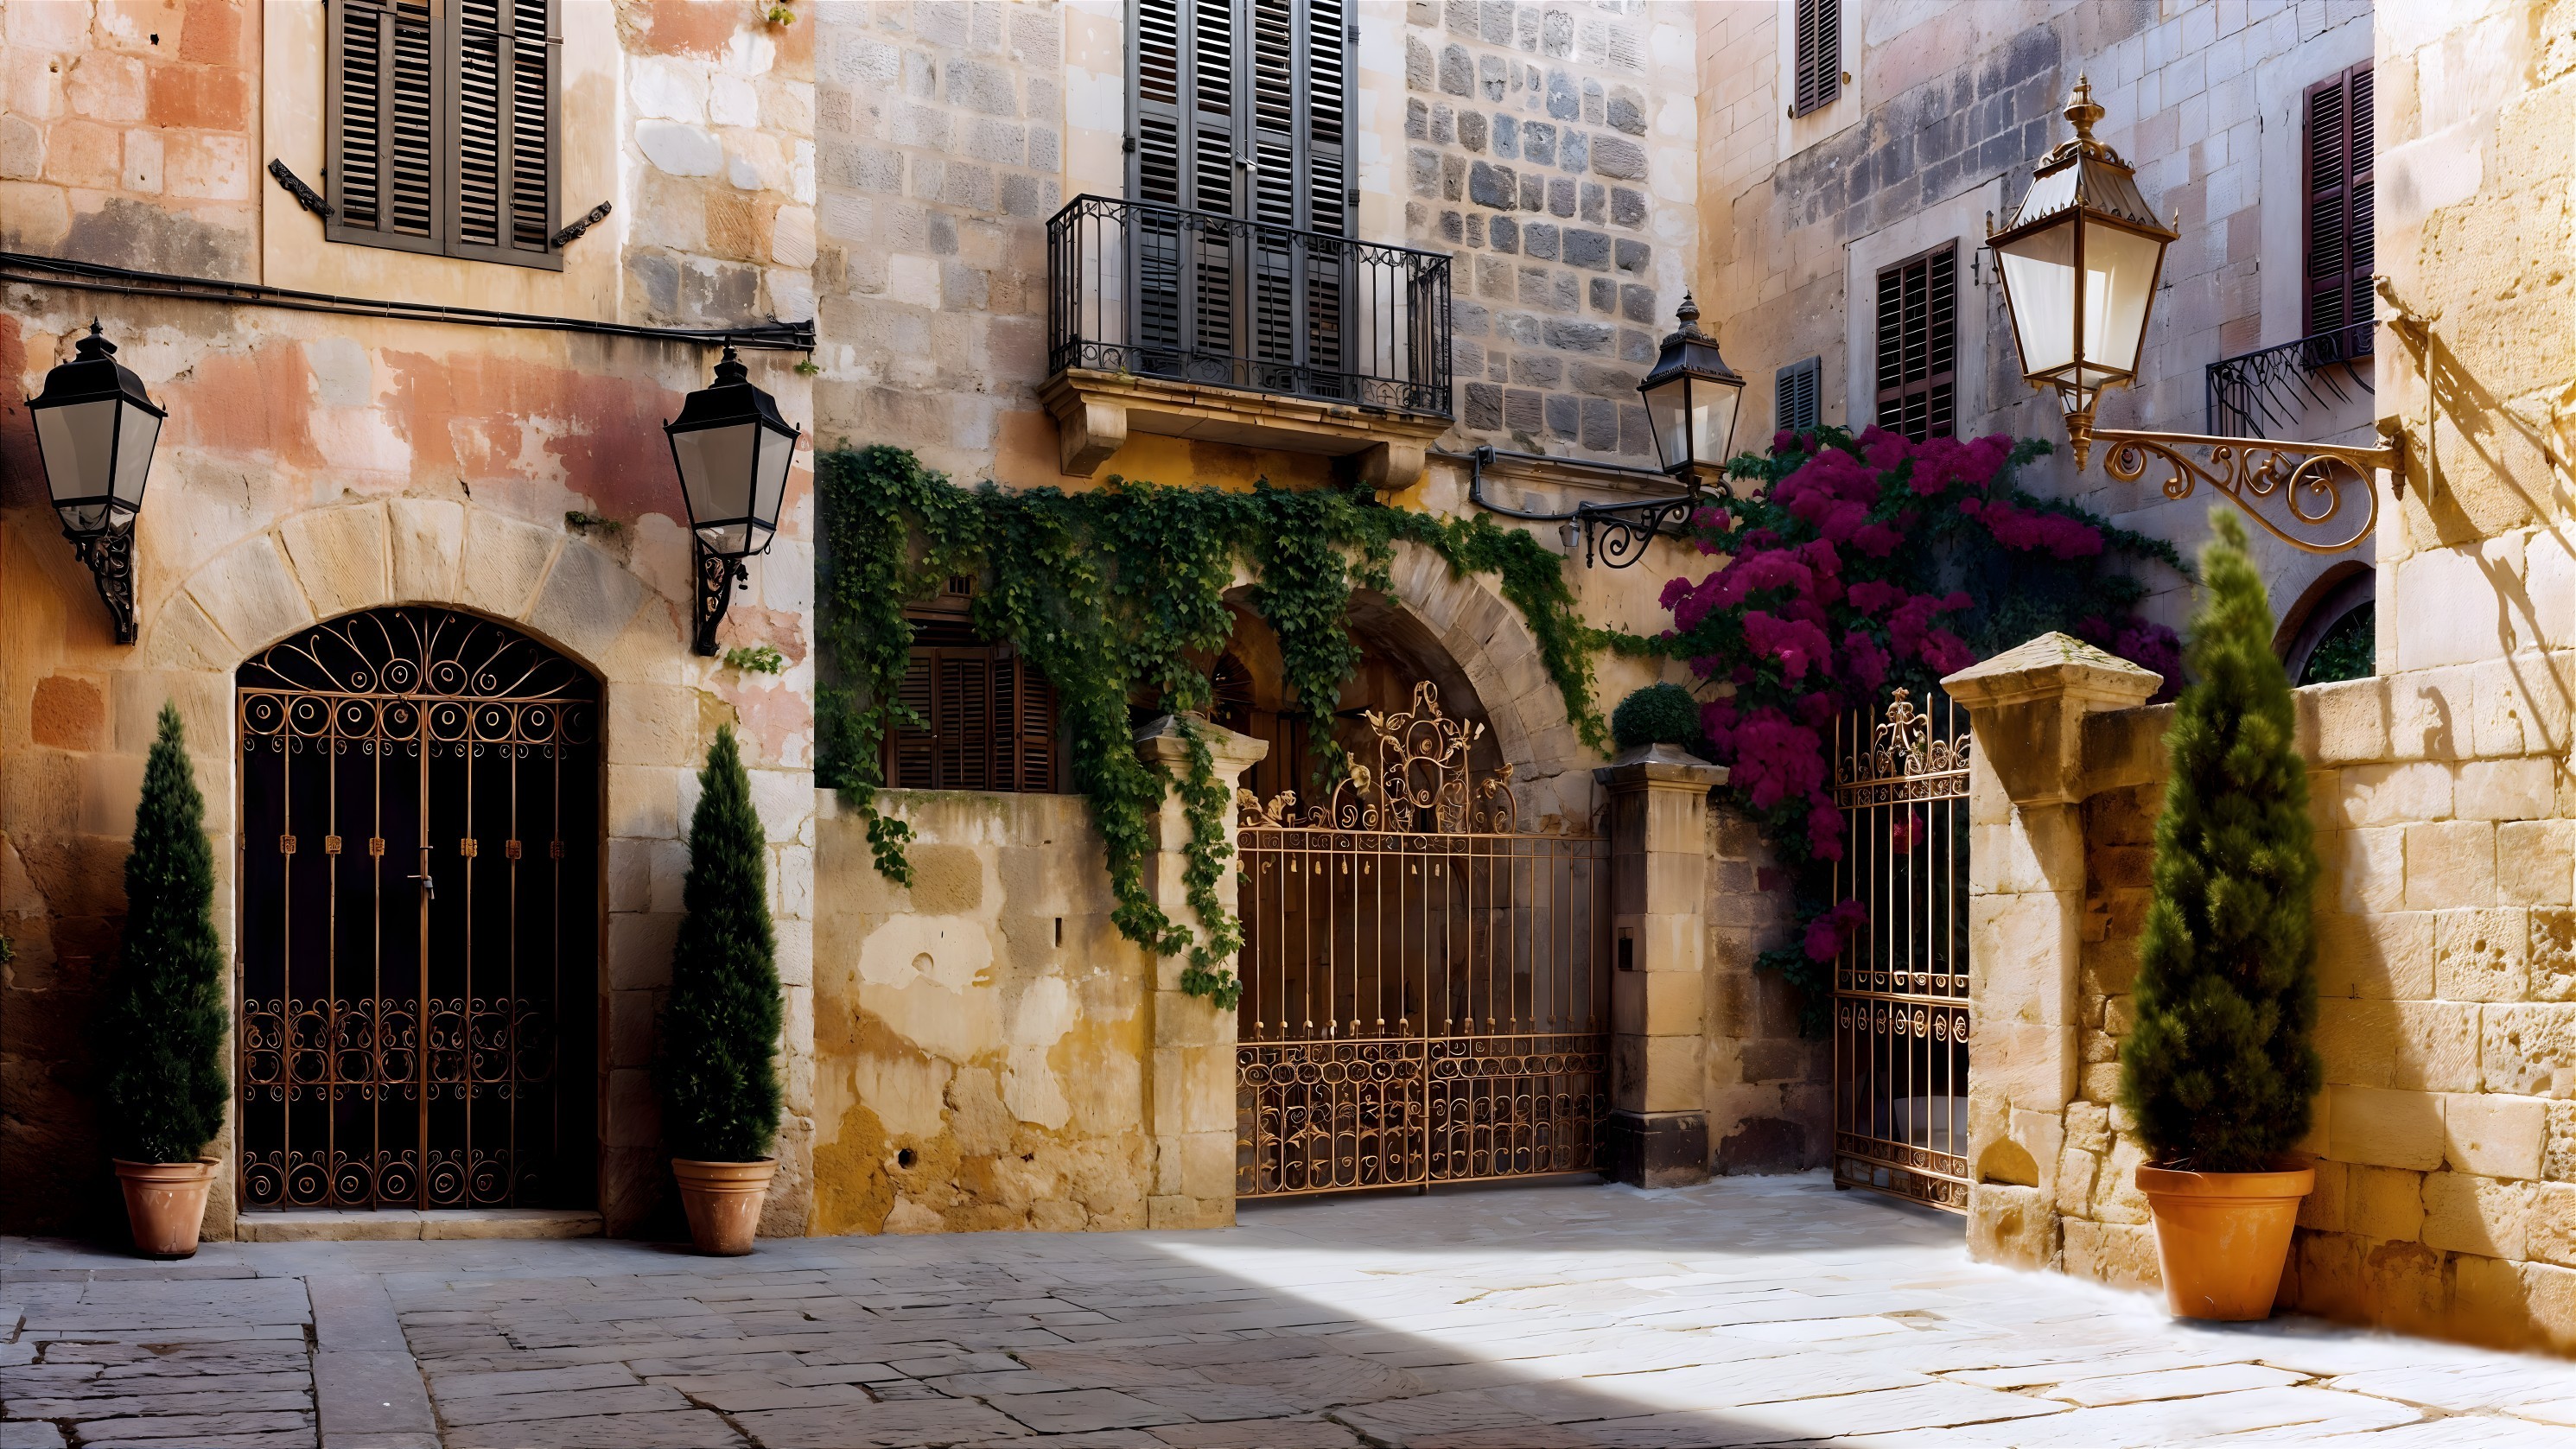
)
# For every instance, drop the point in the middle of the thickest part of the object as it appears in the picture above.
(988, 717)
(502, 132)
(1818, 63)
(1918, 339)
(381, 93)
(2341, 214)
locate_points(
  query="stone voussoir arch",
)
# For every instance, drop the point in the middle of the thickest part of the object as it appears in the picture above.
(1490, 643)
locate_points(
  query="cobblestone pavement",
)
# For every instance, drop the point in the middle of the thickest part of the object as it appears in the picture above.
(1749, 1311)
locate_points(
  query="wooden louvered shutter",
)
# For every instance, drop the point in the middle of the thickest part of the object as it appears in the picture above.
(1818, 61)
(1034, 739)
(382, 88)
(988, 717)
(910, 764)
(1242, 110)
(502, 128)
(2341, 210)
(441, 127)
(1795, 400)
(1918, 342)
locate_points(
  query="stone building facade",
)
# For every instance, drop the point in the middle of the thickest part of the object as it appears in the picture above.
(2438, 788)
(317, 465)
(1928, 146)
(887, 170)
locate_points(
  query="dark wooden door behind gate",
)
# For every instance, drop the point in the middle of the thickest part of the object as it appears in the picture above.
(419, 917)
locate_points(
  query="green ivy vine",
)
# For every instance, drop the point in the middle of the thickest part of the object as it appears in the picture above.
(1116, 594)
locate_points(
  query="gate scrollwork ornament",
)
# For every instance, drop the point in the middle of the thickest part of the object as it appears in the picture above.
(1419, 781)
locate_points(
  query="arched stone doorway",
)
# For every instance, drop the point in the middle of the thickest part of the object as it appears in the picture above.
(419, 864)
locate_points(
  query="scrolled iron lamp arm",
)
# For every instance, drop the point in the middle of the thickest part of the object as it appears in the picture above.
(2248, 469)
(1615, 534)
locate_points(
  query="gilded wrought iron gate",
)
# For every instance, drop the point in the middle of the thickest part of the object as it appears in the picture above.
(419, 933)
(1901, 1017)
(1423, 995)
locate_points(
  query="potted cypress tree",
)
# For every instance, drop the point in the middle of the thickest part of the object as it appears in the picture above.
(719, 1077)
(161, 1019)
(2219, 1071)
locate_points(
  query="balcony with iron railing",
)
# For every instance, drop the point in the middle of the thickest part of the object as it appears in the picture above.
(1201, 325)
(2268, 392)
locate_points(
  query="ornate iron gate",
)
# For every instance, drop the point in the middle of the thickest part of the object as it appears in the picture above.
(1423, 1000)
(1901, 1016)
(419, 933)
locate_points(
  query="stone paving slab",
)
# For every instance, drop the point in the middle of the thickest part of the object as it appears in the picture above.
(1748, 1312)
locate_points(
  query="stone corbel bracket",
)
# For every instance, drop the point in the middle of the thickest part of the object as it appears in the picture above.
(1096, 411)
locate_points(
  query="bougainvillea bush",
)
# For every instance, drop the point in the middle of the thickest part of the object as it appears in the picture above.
(1860, 564)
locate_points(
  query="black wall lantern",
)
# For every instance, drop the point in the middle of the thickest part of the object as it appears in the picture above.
(95, 428)
(733, 453)
(1691, 401)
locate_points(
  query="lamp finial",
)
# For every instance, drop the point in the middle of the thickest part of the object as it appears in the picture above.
(2082, 110)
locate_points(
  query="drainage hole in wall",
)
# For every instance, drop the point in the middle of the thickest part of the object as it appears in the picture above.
(1059, 930)
(904, 1158)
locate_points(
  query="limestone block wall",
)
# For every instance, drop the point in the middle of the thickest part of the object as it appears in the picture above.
(940, 134)
(2446, 961)
(1770, 1107)
(1549, 148)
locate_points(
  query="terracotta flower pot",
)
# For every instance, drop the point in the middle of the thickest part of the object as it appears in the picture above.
(165, 1204)
(723, 1201)
(2222, 1237)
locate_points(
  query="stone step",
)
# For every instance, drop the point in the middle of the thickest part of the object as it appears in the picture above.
(406, 1225)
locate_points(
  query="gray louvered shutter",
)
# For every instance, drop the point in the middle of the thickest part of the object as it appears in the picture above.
(1795, 401)
(503, 126)
(1242, 111)
(1818, 61)
(382, 89)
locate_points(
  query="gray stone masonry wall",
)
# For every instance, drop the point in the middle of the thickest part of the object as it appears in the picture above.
(939, 157)
(1527, 157)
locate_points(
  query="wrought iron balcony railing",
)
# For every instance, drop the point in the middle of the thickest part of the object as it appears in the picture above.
(1200, 297)
(2261, 392)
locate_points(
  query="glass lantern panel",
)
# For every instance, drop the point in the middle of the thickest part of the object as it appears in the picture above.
(2039, 279)
(1667, 411)
(2119, 283)
(716, 469)
(777, 457)
(1713, 419)
(78, 441)
(138, 431)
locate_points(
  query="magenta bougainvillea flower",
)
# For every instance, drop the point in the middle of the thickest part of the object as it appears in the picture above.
(1862, 563)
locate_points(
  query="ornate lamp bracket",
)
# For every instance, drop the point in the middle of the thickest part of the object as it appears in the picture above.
(109, 556)
(2312, 480)
(718, 574)
(1615, 534)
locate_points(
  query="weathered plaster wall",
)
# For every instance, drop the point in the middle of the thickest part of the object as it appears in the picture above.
(128, 133)
(982, 1037)
(1949, 108)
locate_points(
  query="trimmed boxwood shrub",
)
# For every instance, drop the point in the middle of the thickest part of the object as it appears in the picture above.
(1659, 714)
